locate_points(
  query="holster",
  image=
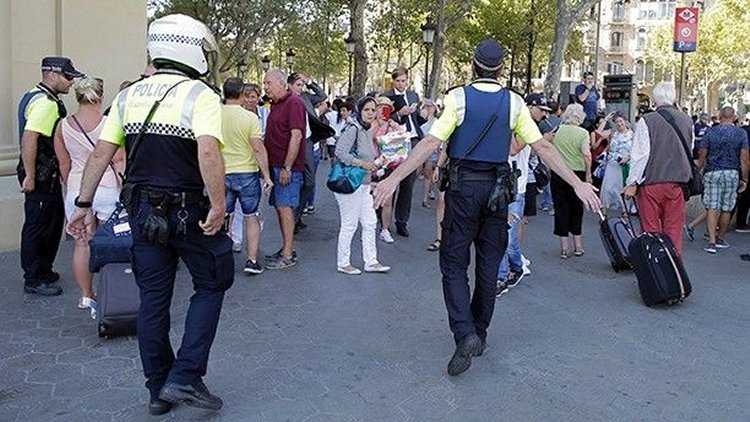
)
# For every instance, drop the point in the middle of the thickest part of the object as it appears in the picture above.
(156, 226)
(504, 191)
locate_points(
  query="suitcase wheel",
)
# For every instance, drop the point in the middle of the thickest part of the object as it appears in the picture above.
(102, 330)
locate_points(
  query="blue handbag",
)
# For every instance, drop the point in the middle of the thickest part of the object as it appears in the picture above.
(344, 178)
(112, 240)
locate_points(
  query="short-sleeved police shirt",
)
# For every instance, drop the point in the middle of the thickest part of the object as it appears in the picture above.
(168, 155)
(521, 121)
(41, 115)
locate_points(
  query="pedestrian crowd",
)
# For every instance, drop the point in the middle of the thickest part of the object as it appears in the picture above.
(198, 172)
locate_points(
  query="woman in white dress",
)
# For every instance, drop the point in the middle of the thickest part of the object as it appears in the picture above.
(618, 165)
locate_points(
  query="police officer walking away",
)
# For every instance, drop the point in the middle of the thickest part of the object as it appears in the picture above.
(170, 125)
(477, 125)
(39, 112)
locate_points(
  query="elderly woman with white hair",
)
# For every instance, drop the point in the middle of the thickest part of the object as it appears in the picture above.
(572, 141)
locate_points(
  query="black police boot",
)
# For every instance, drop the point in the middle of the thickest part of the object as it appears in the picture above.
(466, 349)
(401, 230)
(158, 407)
(196, 395)
(42, 289)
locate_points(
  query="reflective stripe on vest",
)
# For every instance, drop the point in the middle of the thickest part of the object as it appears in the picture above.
(478, 109)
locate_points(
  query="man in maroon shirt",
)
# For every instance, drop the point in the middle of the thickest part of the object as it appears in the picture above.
(284, 134)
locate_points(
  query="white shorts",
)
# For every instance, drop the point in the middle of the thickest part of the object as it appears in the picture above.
(105, 201)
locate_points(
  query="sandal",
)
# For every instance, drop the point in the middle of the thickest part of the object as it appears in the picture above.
(579, 252)
(434, 246)
(564, 254)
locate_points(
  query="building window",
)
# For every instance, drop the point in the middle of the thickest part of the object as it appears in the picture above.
(640, 71)
(615, 68)
(642, 39)
(649, 73)
(615, 40)
(618, 13)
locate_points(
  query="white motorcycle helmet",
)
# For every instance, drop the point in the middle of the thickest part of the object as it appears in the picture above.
(181, 40)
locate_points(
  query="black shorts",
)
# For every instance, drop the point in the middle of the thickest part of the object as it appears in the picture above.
(529, 207)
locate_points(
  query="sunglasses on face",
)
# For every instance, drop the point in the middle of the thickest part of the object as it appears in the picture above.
(67, 77)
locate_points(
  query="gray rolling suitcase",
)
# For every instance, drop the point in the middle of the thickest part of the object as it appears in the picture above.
(118, 300)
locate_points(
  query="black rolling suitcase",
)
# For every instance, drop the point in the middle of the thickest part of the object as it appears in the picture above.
(616, 234)
(661, 275)
(118, 300)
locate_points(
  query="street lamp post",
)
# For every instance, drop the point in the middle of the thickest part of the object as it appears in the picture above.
(350, 43)
(265, 63)
(241, 67)
(290, 59)
(428, 37)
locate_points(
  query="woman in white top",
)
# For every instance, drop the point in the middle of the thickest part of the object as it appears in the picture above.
(617, 168)
(75, 139)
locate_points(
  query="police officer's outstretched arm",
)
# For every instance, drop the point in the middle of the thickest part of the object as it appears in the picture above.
(419, 155)
(82, 223)
(212, 171)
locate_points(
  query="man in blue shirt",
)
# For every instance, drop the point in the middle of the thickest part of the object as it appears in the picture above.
(699, 129)
(724, 152)
(588, 95)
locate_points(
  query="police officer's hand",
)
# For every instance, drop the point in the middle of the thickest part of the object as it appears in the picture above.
(587, 193)
(214, 221)
(82, 224)
(28, 185)
(742, 186)
(285, 177)
(384, 191)
(267, 186)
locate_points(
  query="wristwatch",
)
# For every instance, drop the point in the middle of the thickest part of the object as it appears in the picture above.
(287, 169)
(81, 204)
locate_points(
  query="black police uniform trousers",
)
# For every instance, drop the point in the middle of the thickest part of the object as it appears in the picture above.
(44, 217)
(468, 221)
(211, 264)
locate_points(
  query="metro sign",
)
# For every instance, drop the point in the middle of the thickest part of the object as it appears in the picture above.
(685, 29)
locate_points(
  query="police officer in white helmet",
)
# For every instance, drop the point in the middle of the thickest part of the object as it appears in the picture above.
(170, 126)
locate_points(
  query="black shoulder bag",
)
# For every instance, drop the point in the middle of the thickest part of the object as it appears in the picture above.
(694, 186)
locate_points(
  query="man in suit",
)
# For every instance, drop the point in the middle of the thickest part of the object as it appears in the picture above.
(311, 95)
(406, 104)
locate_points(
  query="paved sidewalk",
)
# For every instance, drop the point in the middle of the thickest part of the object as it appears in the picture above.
(572, 342)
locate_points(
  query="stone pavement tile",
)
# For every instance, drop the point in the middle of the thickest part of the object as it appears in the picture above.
(74, 389)
(54, 374)
(108, 366)
(109, 401)
(9, 414)
(56, 344)
(17, 326)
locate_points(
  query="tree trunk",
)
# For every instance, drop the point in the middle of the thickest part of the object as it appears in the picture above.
(359, 78)
(567, 16)
(530, 51)
(438, 51)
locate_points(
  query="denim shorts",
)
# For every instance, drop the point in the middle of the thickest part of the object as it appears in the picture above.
(246, 188)
(285, 196)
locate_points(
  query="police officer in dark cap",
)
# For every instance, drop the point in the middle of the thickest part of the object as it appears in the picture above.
(39, 112)
(476, 128)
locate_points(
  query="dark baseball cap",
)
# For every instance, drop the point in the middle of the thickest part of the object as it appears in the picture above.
(537, 100)
(62, 65)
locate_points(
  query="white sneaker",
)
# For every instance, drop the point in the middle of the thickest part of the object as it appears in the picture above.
(385, 236)
(526, 270)
(526, 261)
(377, 268)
